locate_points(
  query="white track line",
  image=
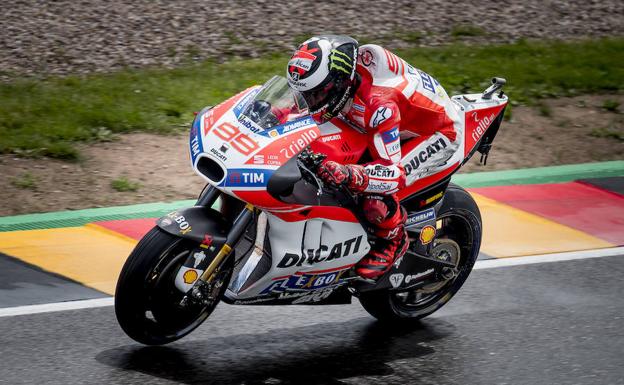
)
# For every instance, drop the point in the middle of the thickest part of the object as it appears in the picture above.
(57, 306)
(485, 264)
(544, 258)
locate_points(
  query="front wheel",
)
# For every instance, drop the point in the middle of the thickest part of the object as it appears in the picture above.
(458, 240)
(148, 306)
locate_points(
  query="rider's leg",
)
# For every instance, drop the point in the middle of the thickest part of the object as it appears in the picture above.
(387, 218)
(425, 156)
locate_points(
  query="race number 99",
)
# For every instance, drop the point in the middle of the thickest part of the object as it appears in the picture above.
(231, 134)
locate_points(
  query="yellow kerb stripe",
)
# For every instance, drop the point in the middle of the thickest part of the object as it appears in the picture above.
(508, 232)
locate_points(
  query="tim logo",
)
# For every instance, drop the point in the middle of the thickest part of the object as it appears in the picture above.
(245, 177)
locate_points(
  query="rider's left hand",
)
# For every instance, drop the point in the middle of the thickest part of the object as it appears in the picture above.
(352, 176)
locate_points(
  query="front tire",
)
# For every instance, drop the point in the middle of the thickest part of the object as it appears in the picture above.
(147, 303)
(460, 227)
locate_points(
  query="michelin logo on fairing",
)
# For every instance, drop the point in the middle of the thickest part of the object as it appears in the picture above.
(420, 217)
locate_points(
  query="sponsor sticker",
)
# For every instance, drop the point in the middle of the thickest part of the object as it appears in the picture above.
(250, 124)
(396, 280)
(247, 177)
(198, 257)
(367, 58)
(190, 276)
(358, 107)
(427, 81)
(414, 277)
(392, 142)
(244, 101)
(482, 125)
(330, 138)
(381, 172)
(305, 282)
(381, 115)
(431, 199)
(390, 136)
(378, 186)
(183, 225)
(427, 234)
(301, 62)
(287, 127)
(420, 217)
(207, 242)
(195, 141)
(314, 297)
(418, 158)
(323, 253)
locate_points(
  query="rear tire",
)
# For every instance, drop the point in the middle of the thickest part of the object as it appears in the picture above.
(146, 299)
(461, 222)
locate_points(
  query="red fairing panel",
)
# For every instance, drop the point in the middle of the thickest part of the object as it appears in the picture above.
(477, 122)
(217, 111)
(345, 147)
(286, 147)
(293, 213)
(325, 212)
(263, 199)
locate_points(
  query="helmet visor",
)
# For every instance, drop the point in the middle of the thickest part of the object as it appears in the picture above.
(319, 97)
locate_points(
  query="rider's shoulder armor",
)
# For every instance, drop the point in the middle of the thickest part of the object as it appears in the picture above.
(385, 68)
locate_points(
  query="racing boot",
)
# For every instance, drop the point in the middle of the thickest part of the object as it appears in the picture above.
(392, 242)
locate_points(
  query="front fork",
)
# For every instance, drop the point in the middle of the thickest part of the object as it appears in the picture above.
(208, 266)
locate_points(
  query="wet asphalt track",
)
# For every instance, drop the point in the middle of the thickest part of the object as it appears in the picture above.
(553, 323)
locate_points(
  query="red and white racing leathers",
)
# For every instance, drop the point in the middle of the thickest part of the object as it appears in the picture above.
(396, 102)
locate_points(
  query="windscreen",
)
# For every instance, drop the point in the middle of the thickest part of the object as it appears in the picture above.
(275, 104)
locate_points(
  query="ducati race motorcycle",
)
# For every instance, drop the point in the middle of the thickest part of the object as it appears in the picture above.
(266, 231)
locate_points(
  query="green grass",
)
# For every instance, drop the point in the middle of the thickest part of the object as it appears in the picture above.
(45, 117)
(462, 30)
(25, 181)
(544, 110)
(123, 184)
(611, 105)
(615, 130)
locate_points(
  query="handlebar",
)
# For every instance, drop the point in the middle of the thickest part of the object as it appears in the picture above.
(309, 162)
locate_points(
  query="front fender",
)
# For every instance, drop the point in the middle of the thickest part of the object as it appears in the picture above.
(198, 223)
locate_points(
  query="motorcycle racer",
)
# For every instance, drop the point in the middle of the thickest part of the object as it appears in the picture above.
(382, 96)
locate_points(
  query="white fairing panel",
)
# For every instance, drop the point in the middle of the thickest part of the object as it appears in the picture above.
(307, 255)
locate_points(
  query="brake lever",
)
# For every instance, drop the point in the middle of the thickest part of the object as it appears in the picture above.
(319, 185)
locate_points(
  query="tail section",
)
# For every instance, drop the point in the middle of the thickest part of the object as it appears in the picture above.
(482, 115)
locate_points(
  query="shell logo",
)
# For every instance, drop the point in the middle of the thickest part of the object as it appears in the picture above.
(190, 276)
(427, 234)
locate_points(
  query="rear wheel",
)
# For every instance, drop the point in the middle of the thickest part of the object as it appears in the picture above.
(148, 306)
(458, 241)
